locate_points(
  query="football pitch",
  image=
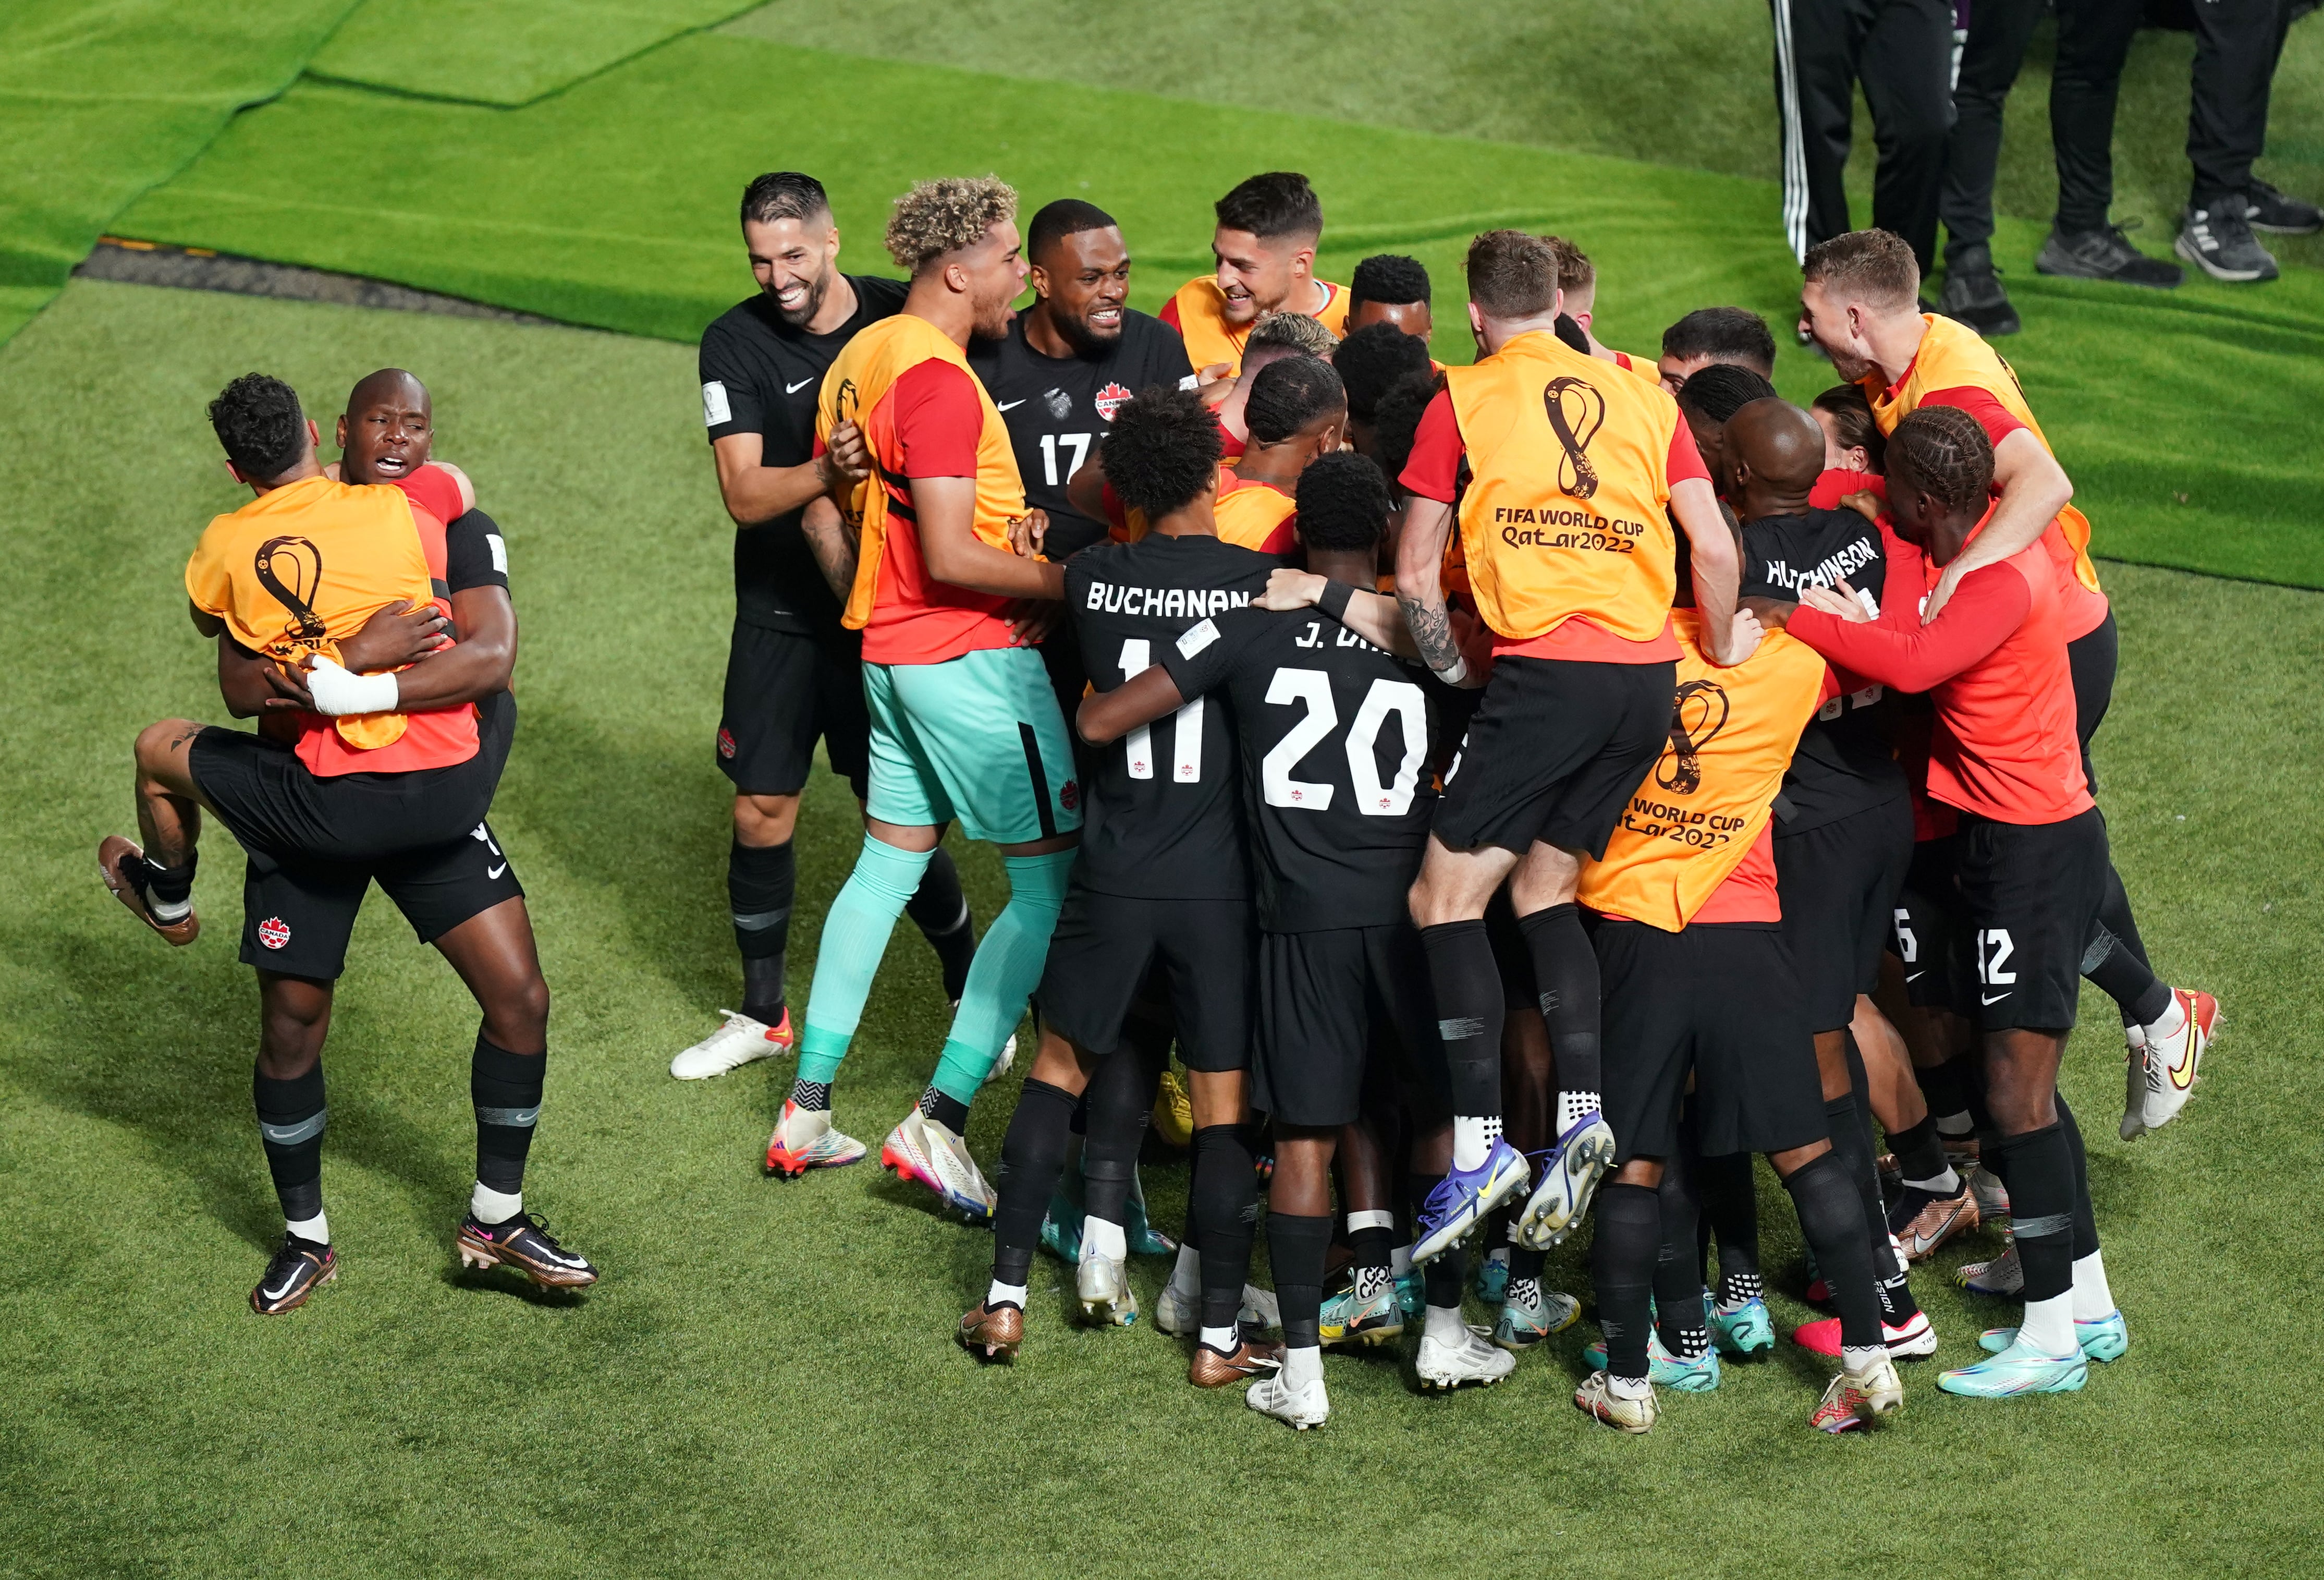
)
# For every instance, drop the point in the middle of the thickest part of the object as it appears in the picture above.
(764, 1381)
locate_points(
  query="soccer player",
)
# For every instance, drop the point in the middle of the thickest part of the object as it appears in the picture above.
(963, 723)
(2032, 863)
(1370, 362)
(1388, 288)
(1860, 301)
(1161, 881)
(1265, 245)
(1577, 278)
(1707, 403)
(382, 775)
(1715, 334)
(1853, 445)
(1843, 839)
(1335, 746)
(1576, 476)
(1276, 336)
(1698, 983)
(794, 673)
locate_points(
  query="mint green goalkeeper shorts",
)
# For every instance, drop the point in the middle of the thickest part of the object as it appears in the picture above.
(977, 738)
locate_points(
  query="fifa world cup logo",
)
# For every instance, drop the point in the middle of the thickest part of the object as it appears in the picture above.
(291, 569)
(1576, 412)
(1698, 713)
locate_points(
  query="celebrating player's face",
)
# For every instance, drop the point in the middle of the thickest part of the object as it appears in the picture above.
(1411, 317)
(1254, 275)
(386, 430)
(794, 262)
(996, 273)
(1085, 279)
(1828, 319)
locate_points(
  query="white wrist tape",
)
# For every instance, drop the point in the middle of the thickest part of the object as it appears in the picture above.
(1456, 674)
(337, 690)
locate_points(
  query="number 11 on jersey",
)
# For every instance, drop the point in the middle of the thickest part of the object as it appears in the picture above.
(1185, 730)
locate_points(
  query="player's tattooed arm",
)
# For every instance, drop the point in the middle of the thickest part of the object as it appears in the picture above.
(1420, 584)
(832, 544)
(1106, 716)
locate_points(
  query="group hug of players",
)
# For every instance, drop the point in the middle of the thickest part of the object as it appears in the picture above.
(1505, 788)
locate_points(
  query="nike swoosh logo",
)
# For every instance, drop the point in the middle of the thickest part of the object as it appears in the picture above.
(497, 870)
(1991, 998)
(1914, 976)
(1008, 405)
(278, 1294)
(795, 389)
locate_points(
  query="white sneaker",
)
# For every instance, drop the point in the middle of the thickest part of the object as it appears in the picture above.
(2162, 1078)
(1101, 1284)
(922, 1149)
(1180, 1314)
(738, 1042)
(1444, 1367)
(1303, 1407)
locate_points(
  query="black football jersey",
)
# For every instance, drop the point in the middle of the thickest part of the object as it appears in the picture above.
(1844, 764)
(1160, 821)
(1335, 739)
(761, 375)
(1057, 408)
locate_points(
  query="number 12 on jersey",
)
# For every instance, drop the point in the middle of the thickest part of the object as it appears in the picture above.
(1080, 443)
(1186, 725)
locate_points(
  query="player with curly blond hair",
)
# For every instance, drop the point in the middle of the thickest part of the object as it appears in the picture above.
(963, 723)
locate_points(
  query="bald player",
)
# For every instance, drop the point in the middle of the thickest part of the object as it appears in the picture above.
(1268, 228)
(1388, 288)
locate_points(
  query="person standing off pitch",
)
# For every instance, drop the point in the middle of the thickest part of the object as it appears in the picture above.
(794, 673)
(1265, 245)
(963, 723)
(1576, 471)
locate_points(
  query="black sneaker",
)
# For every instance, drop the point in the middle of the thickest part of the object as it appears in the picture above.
(2270, 210)
(524, 1243)
(299, 1267)
(2218, 241)
(2105, 255)
(1973, 295)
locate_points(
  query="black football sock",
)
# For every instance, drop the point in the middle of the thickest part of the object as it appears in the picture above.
(1118, 1104)
(1441, 1279)
(505, 1088)
(2114, 916)
(1297, 1246)
(2086, 1223)
(948, 1110)
(1944, 1090)
(1469, 1009)
(1370, 1257)
(172, 886)
(940, 910)
(1524, 1262)
(1728, 1195)
(812, 1096)
(2041, 1180)
(1921, 1155)
(1032, 1157)
(1831, 1221)
(1678, 1266)
(761, 881)
(1622, 1263)
(1223, 1203)
(291, 1121)
(1565, 973)
(2118, 972)
(1855, 1154)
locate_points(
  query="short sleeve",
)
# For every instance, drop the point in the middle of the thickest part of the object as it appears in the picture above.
(730, 404)
(1685, 461)
(209, 583)
(1991, 415)
(433, 490)
(1205, 654)
(1432, 470)
(939, 421)
(474, 555)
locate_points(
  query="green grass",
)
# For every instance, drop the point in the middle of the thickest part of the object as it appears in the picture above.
(764, 1380)
(500, 51)
(611, 204)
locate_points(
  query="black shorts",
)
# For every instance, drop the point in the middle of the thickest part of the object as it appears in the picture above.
(1928, 933)
(1839, 883)
(2091, 660)
(272, 804)
(1326, 1002)
(1105, 945)
(1719, 1002)
(784, 692)
(1555, 752)
(2031, 891)
(298, 915)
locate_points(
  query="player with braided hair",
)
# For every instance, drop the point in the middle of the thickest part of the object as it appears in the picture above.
(2031, 863)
